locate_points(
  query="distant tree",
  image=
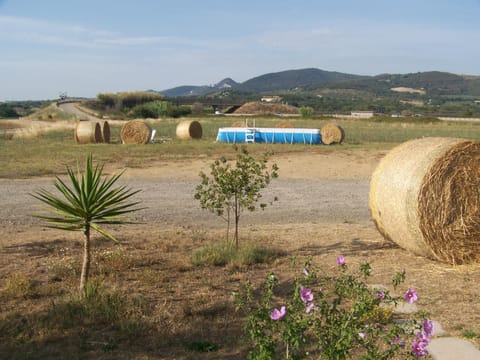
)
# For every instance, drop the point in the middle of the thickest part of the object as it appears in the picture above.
(8, 111)
(306, 111)
(197, 108)
(234, 187)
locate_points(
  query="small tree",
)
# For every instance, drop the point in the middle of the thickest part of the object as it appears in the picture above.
(86, 205)
(306, 111)
(232, 188)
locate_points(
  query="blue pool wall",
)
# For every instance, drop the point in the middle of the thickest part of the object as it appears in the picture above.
(235, 135)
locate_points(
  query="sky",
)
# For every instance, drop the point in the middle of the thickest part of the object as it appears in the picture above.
(89, 47)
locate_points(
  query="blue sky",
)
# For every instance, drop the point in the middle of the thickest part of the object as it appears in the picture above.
(91, 46)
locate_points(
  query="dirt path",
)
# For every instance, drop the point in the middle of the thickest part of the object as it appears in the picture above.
(312, 188)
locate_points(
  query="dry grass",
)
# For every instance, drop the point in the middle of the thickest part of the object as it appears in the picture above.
(259, 108)
(153, 303)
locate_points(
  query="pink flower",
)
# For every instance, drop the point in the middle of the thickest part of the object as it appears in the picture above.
(310, 307)
(306, 294)
(428, 327)
(341, 260)
(380, 295)
(411, 296)
(362, 335)
(278, 314)
(418, 348)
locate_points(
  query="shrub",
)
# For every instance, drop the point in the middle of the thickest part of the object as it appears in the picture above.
(231, 189)
(306, 111)
(87, 204)
(332, 318)
(224, 253)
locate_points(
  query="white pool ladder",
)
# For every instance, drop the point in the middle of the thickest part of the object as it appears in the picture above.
(249, 132)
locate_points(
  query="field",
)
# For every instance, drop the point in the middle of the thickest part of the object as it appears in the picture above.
(151, 298)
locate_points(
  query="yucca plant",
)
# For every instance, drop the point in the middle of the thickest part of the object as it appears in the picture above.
(87, 204)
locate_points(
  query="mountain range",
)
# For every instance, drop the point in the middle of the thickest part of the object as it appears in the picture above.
(313, 80)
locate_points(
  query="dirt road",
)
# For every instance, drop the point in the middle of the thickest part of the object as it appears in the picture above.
(311, 188)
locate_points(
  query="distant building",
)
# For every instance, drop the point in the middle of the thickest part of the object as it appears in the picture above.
(362, 114)
(270, 99)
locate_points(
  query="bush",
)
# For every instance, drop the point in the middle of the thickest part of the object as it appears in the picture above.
(225, 253)
(127, 99)
(332, 318)
(156, 109)
(306, 111)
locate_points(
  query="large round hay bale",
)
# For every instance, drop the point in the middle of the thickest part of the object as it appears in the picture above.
(332, 134)
(88, 132)
(424, 197)
(187, 130)
(136, 132)
(105, 129)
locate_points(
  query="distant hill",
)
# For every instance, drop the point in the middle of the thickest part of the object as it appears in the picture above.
(290, 79)
(315, 80)
(430, 83)
(191, 90)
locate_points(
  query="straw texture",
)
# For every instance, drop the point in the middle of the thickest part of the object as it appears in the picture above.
(105, 129)
(136, 132)
(88, 132)
(332, 134)
(424, 197)
(187, 130)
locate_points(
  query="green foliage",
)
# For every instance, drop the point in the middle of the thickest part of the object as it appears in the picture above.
(306, 111)
(8, 111)
(203, 346)
(156, 109)
(127, 99)
(231, 189)
(88, 203)
(224, 253)
(323, 317)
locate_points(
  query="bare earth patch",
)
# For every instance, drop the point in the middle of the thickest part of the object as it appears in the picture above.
(322, 212)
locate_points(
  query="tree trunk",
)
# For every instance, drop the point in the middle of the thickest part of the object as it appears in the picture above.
(237, 217)
(228, 225)
(86, 262)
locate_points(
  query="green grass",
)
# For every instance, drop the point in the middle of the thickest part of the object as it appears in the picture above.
(49, 153)
(224, 253)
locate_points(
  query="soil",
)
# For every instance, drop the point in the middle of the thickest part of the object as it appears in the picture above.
(322, 211)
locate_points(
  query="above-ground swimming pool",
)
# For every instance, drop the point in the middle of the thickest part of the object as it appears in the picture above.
(235, 135)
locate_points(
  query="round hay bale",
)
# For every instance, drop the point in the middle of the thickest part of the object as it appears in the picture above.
(88, 132)
(331, 134)
(424, 197)
(136, 132)
(187, 130)
(105, 129)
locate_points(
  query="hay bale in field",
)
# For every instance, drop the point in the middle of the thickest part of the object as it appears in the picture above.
(424, 197)
(105, 129)
(88, 132)
(136, 132)
(332, 134)
(187, 130)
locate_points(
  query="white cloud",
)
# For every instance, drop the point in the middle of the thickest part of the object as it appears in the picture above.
(37, 32)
